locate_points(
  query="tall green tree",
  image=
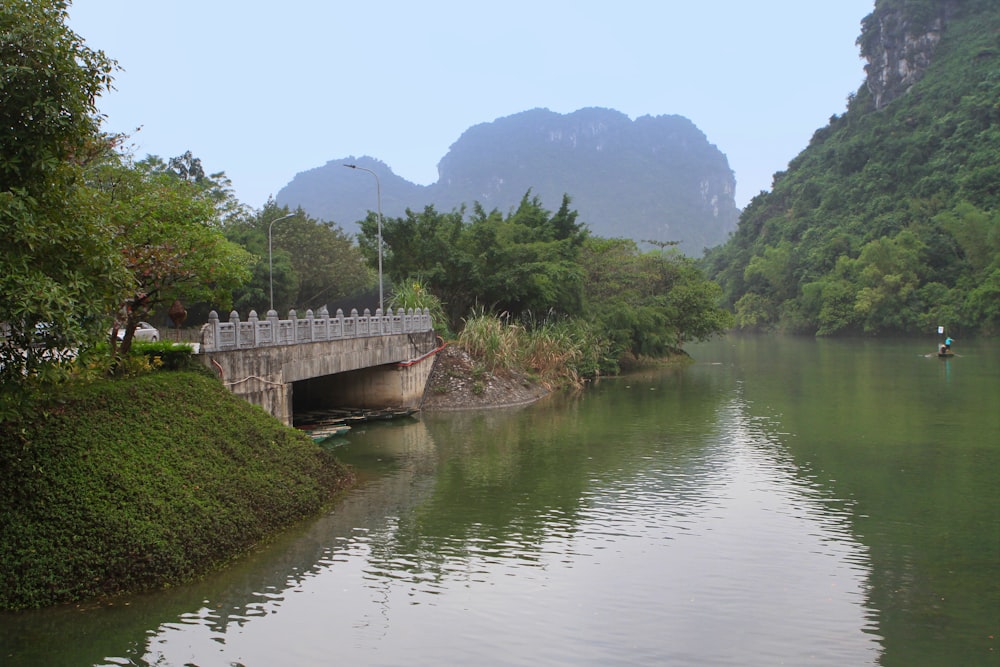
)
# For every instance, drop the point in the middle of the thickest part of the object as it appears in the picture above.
(426, 246)
(167, 233)
(649, 303)
(525, 261)
(57, 267)
(215, 186)
(314, 262)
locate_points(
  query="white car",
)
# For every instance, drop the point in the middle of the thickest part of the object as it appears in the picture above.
(144, 331)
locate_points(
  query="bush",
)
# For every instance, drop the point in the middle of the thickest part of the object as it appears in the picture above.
(558, 351)
(167, 355)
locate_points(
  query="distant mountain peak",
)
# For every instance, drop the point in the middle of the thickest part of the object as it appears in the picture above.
(653, 178)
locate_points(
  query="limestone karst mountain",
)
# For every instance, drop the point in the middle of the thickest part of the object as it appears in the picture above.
(887, 222)
(653, 178)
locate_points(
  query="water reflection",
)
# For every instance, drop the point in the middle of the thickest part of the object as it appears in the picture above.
(914, 443)
(661, 518)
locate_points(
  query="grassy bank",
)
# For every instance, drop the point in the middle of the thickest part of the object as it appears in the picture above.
(556, 354)
(131, 484)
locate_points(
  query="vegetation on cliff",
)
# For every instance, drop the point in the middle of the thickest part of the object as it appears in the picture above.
(889, 221)
(137, 483)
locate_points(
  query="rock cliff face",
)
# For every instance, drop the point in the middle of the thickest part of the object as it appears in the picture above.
(655, 178)
(898, 40)
(652, 178)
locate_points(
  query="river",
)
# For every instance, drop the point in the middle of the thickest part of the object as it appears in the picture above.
(779, 501)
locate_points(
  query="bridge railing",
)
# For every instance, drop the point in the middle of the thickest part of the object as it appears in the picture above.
(236, 334)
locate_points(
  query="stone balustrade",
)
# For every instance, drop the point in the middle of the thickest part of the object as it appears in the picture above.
(235, 334)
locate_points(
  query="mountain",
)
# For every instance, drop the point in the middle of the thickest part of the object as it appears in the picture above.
(655, 178)
(888, 221)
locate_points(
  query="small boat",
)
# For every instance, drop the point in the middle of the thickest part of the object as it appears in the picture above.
(322, 425)
(945, 355)
(324, 433)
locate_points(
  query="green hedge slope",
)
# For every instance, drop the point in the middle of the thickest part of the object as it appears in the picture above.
(126, 485)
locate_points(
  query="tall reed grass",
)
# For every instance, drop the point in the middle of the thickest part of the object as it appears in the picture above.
(558, 352)
(415, 293)
(493, 339)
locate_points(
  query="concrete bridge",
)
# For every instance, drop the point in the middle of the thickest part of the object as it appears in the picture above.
(298, 364)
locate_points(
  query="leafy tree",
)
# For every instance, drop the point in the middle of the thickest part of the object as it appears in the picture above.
(977, 233)
(772, 271)
(56, 268)
(977, 289)
(889, 275)
(255, 294)
(313, 262)
(167, 233)
(982, 304)
(648, 303)
(215, 186)
(521, 262)
(427, 246)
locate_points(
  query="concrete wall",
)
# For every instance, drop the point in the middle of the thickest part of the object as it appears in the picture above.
(359, 372)
(377, 387)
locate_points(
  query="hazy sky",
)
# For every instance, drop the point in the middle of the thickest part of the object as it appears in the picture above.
(264, 90)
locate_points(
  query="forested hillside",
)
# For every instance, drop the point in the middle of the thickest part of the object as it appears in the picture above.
(888, 222)
(653, 178)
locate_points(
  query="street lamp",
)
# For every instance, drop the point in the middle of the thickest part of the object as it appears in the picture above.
(378, 194)
(270, 264)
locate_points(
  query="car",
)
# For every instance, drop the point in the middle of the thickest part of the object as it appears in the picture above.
(143, 331)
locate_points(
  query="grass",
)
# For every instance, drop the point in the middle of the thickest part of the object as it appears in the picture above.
(123, 485)
(556, 352)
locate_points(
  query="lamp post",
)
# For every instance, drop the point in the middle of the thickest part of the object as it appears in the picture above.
(270, 264)
(378, 194)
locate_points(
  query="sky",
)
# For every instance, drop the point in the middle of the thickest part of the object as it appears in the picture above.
(265, 90)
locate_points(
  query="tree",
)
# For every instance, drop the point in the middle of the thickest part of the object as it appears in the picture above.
(890, 274)
(524, 262)
(215, 186)
(533, 266)
(57, 268)
(649, 303)
(429, 247)
(313, 262)
(166, 230)
(328, 263)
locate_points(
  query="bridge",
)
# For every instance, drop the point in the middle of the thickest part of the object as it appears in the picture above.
(298, 364)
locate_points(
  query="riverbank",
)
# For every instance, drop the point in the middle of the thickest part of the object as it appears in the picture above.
(120, 486)
(460, 382)
(135, 484)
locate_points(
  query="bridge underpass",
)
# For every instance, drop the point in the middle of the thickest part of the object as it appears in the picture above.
(288, 366)
(374, 388)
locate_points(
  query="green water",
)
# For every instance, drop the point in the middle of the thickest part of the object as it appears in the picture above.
(780, 501)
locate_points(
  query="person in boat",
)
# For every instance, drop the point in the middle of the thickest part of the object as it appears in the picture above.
(947, 345)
